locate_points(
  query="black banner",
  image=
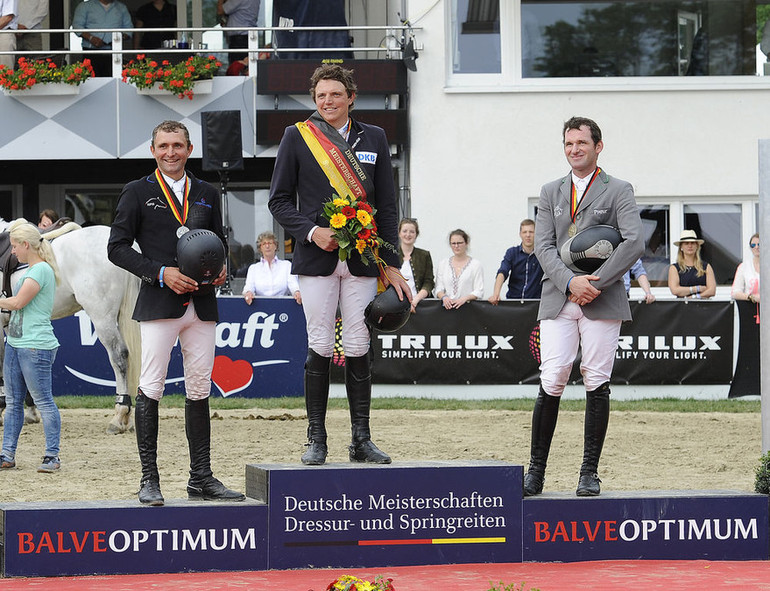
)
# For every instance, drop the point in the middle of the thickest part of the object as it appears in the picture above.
(669, 342)
(747, 367)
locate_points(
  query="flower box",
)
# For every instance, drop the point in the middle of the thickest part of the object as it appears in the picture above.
(199, 87)
(45, 89)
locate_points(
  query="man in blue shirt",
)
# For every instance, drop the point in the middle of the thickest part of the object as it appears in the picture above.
(522, 265)
(103, 16)
(239, 13)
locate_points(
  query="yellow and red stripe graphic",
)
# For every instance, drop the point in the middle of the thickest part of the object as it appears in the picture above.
(404, 542)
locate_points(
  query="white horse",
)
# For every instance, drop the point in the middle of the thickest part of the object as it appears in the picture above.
(107, 293)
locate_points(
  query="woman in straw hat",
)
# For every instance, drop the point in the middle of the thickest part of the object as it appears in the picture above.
(691, 277)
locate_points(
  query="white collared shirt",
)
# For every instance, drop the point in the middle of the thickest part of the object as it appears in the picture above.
(581, 184)
(263, 279)
(177, 187)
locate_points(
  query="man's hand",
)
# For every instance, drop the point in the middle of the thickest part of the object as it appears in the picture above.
(394, 277)
(179, 283)
(324, 239)
(220, 280)
(581, 290)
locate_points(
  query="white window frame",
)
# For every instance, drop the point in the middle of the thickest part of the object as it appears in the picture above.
(510, 79)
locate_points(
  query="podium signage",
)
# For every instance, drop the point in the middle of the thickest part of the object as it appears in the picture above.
(343, 515)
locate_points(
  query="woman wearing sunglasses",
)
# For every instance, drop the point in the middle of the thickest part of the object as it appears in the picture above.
(746, 282)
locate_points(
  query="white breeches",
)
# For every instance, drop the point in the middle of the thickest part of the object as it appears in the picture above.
(320, 298)
(559, 341)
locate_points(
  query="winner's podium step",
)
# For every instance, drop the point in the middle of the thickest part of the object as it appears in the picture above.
(356, 515)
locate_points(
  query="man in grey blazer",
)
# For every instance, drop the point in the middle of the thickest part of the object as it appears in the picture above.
(580, 310)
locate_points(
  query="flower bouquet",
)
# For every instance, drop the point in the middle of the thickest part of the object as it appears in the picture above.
(355, 229)
(350, 583)
(32, 72)
(178, 79)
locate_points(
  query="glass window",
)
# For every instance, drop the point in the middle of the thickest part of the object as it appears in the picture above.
(570, 38)
(720, 226)
(657, 256)
(91, 207)
(476, 37)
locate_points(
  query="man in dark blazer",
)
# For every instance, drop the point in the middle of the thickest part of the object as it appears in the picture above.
(580, 310)
(155, 211)
(299, 188)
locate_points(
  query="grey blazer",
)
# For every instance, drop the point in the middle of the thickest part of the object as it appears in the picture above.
(608, 201)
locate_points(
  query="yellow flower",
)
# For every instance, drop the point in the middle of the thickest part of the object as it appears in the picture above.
(364, 217)
(340, 202)
(361, 246)
(338, 220)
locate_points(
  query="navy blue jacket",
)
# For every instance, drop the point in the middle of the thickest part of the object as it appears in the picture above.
(143, 215)
(300, 188)
(526, 274)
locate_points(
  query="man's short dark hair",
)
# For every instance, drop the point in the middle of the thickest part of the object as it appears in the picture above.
(578, 122)
(333, 72)
(171, 127)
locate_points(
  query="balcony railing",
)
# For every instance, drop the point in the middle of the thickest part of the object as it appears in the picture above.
(395, 38)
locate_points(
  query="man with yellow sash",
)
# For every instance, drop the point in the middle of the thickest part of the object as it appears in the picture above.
(155, 211)
(332, 154)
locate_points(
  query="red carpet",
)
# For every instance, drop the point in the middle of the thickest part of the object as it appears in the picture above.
(625, 575)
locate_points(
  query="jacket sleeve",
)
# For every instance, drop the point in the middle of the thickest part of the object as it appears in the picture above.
(283, 188)
(120, 249)
(385, 200)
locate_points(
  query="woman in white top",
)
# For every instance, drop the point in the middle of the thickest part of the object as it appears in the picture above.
(270, 276)
(459, 278)
(746, 282)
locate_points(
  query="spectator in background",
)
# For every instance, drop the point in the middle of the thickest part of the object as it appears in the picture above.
(48, 217)
(691, 277)
(416, 263)
(239, 13)
(746, 282)
(9, 20)
(270, 276)
(103, 16)
(521, 263)
(637, 270)
(32, 13)
(156, 14)
(460, 278)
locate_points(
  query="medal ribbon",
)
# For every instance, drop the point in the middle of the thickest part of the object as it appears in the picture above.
(574, 202)
(171, 199)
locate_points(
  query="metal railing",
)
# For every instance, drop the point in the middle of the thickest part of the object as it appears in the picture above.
(395, 37)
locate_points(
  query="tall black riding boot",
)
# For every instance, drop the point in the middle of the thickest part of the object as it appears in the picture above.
(316, 400)
(146, 419)
(358, 385)
(596, 421)
(544, 418)
(202, 485)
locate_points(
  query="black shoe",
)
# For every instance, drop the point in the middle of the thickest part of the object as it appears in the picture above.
(212, 490)
(533, 484)
(588, 486)
(149, 493)
(366, 451)
(315, 454)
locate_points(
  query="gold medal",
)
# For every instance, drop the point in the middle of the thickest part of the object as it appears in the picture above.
(572, 230)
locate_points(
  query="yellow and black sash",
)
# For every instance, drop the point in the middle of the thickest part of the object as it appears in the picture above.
(336, 158)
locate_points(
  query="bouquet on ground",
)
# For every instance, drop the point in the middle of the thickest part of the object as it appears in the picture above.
(178, 79)
(355, 229)
(32, 72)
(350, 583)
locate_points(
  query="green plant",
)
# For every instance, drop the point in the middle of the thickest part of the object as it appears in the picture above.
(178, 79)
(510, 587)
(351, 583)
(32, 72)
(762, 480)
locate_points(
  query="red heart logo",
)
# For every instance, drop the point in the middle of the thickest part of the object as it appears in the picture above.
(231, 376)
